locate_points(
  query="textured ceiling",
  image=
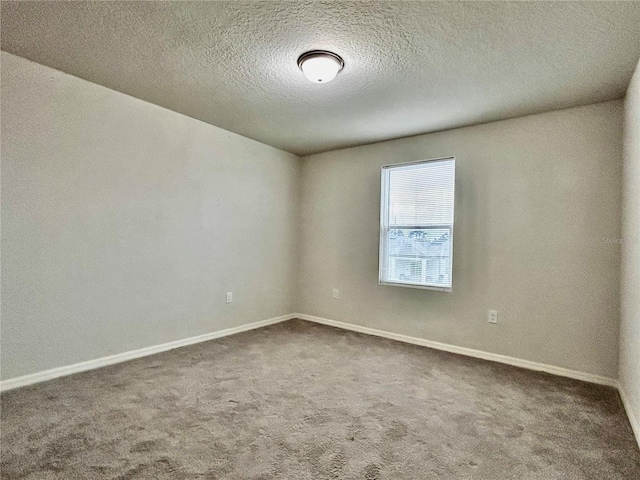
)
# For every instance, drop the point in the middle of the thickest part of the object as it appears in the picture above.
(410, 67)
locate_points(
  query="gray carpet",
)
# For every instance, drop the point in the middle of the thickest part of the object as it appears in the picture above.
(303, 401)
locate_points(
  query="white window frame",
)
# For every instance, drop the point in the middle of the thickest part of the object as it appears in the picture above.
(384, 227)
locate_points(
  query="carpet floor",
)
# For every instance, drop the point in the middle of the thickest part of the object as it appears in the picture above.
(298, 400)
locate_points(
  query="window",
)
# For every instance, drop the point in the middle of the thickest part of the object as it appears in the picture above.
(416, 224)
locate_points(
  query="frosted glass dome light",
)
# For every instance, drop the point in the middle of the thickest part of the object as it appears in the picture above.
(320, 66)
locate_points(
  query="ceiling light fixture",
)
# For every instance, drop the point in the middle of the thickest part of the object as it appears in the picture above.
(320, 66)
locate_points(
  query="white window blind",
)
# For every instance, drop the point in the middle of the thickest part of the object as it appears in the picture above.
(416, 224)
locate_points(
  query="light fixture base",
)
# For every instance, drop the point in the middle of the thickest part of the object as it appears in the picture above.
(317, 53)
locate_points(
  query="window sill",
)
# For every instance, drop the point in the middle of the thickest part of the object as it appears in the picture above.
(416, 285)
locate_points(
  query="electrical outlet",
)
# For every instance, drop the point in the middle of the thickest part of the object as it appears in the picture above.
(229, 297)
(336, 294)
(492, 316)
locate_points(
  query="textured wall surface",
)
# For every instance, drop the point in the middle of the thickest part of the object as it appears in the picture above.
(537, 199)
(411, 67)
(630, 305)
(124, 224)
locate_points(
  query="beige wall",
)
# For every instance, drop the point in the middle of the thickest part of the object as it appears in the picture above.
(124, 224)
(537, 197)
(630, 305)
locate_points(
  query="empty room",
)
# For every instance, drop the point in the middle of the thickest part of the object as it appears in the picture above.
(320, 240)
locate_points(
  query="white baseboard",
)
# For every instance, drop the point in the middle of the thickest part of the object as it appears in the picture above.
(143, 352)
(633, 420)
(123, 357)
(494, 357)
